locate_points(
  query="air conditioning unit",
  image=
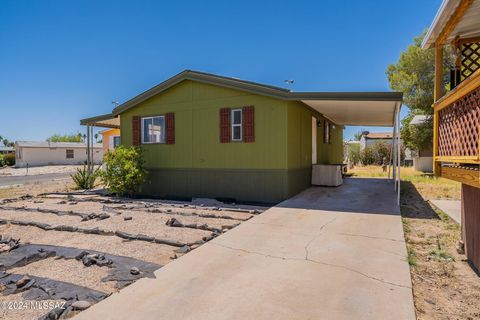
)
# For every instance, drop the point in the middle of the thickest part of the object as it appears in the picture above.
(327, 175)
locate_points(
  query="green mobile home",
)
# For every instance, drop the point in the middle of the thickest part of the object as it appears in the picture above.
(205, 135)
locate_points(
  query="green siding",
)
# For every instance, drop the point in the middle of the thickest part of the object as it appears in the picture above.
(274, 167)
(299, 145)
(248, 185)
(197, 143)
(300, 138)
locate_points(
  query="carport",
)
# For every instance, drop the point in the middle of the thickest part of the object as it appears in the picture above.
(343, 108)
(362, 109)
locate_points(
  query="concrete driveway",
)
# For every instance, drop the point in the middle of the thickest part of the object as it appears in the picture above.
(327, 253)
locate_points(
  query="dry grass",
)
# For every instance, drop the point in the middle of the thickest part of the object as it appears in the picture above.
(444, 285)
(429, 186)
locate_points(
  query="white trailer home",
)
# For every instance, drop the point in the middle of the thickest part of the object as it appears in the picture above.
(39, 153)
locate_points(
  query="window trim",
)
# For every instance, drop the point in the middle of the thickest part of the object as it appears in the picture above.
(233, 125)
(163, 130)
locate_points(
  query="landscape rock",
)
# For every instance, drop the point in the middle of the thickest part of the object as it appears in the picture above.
(81, 305)
(143, 237)
(4, 247)
(183, 249)
(134, 271)
(173, 222)
(23, 281)
(127, 218)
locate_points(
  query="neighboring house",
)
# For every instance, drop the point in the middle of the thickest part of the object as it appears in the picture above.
(205, 135)
(110, 139)
(39, 153)
(5, 150)
(368, 139)
(456, 134)
(422, 159)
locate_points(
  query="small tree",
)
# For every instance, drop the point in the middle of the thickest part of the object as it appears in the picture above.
(414, 75)
(9, 159)
(357, 136)
(367, 156)
(124, 171)
(381, 151)
(354, 153)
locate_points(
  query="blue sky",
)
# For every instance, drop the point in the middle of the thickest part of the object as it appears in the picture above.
(61, 61)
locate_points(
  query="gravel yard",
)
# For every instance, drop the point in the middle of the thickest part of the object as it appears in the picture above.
(88, 246)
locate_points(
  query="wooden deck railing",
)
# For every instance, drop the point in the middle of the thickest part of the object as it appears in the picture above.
(457, 124)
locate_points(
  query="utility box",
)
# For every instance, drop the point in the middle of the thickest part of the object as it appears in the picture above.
(327, 175)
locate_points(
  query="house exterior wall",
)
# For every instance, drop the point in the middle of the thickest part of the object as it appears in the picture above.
(52, 156)
(299, 145)
(198, 165)
(107, 135)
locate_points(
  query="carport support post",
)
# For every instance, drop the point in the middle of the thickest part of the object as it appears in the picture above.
(390, 156)
(91, 149)
(394, 157)
(88, 148)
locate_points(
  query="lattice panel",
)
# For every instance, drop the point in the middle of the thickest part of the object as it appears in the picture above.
(470, 59)
(459, 127)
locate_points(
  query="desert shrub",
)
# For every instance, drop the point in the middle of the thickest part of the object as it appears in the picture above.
(84, 178)
(367, 156)
(124, 171)
(9, 159)
(381, 151)
(354, 153)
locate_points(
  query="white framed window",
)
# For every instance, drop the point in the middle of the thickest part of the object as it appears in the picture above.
(69, 153)
(153, 129)
(236, 116)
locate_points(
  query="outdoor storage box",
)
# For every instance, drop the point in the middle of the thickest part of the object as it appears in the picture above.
(327, 175)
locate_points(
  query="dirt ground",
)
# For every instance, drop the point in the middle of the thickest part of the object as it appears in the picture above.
(54, 215)
(444, 284)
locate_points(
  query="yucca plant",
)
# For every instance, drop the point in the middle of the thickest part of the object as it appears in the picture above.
(84, 178)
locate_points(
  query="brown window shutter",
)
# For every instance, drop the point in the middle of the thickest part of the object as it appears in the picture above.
(170, 128)
(225, 125)
(136, 134)
(248, 124)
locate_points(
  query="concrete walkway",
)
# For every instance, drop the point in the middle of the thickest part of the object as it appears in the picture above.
(327, 253)
(452, 208)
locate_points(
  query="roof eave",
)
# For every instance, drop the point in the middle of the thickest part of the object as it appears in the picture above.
(232, 83)
(348, 96)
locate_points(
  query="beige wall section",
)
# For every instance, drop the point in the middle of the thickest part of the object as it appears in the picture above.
(107, 135)
(53, 156)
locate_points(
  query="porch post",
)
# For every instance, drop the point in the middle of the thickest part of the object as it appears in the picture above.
(394, 141)
(88, 148)
(390, 156)
(399, 155)
(92, 162)
(438, 84)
